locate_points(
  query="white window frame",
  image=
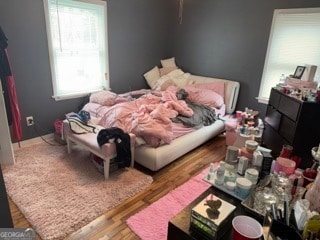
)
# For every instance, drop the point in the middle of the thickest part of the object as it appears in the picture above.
(104, 81)
(286, 67)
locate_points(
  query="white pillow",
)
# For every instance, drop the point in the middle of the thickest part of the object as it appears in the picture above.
(182, 81)
(166, 70)
(152, 76)
(175, 73)
(170, 62)
(180, 78)
(163, 83)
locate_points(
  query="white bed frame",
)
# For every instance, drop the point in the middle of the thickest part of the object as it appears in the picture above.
(156, 158)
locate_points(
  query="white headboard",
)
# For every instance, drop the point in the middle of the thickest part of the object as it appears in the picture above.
(231, 90)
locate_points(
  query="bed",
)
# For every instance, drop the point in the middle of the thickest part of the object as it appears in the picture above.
(156, 158)
(159, 140)
(159, 116)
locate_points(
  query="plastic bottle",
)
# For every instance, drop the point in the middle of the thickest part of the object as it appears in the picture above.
(211, 172)
(230, 174)
(282, 79)
(220, 174)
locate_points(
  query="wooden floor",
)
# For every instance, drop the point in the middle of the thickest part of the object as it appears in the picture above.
(112, 224)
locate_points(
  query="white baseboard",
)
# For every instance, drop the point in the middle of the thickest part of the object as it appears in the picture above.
(29, 142)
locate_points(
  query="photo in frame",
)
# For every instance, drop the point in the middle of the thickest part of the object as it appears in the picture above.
(299, 72)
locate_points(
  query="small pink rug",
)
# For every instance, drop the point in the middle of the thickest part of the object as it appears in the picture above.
(152, 222)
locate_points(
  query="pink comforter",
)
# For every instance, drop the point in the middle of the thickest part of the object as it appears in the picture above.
(148, 117)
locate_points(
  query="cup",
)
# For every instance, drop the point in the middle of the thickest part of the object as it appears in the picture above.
(284, 165)
(246, 228)
(238, 114)
(286, 151)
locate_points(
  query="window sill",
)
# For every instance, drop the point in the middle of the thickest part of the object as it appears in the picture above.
(263, 100)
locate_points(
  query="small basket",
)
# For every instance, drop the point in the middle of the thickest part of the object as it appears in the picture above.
(58, 126)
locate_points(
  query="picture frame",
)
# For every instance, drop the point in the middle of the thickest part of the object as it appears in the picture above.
(299, 72)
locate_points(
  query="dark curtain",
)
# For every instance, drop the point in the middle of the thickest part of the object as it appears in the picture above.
(9, 91)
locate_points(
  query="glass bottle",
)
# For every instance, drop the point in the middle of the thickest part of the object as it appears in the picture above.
(211, 172)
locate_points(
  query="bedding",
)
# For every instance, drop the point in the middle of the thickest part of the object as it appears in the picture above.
(151, 113)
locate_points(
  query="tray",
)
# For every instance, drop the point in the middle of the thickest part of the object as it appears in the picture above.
(221, 187)
(248, 205)
(249, 201)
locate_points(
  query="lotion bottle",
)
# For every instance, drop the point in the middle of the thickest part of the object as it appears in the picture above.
(220, 174)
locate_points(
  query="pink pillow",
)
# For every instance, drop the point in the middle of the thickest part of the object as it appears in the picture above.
(105, 98)
(217, 87)
(205, 96)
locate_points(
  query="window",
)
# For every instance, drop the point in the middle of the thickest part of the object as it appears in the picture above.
(77, 43)
(294, 41)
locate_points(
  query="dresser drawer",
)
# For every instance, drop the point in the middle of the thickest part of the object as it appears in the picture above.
(272, 139)
(274, 98)
(273, 117)
(289, 107)
(287, 129)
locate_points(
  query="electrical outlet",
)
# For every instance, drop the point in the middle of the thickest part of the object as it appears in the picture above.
(30, 121)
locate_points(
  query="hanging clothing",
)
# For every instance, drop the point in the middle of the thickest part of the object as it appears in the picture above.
(9, 90)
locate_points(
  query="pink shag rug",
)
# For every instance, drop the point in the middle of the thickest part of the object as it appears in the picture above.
(59, 192)
(155, 228)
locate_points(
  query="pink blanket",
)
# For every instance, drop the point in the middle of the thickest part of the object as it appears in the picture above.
(148, 117)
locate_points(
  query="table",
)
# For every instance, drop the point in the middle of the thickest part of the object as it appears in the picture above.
(178, 227)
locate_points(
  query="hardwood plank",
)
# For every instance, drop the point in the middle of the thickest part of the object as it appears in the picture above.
(112, 224)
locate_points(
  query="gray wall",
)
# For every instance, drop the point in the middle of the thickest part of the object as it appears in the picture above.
(140, 34)
(226, 39)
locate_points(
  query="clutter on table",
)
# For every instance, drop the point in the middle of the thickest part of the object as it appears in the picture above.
(244, 125)
(272, 186)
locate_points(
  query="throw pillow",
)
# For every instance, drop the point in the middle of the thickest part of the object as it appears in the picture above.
(217, 87)
(152, 76)
(205, 96)
(163, 83)
(105, 98)
(180, 78)
(170, 62)
(166, 70)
